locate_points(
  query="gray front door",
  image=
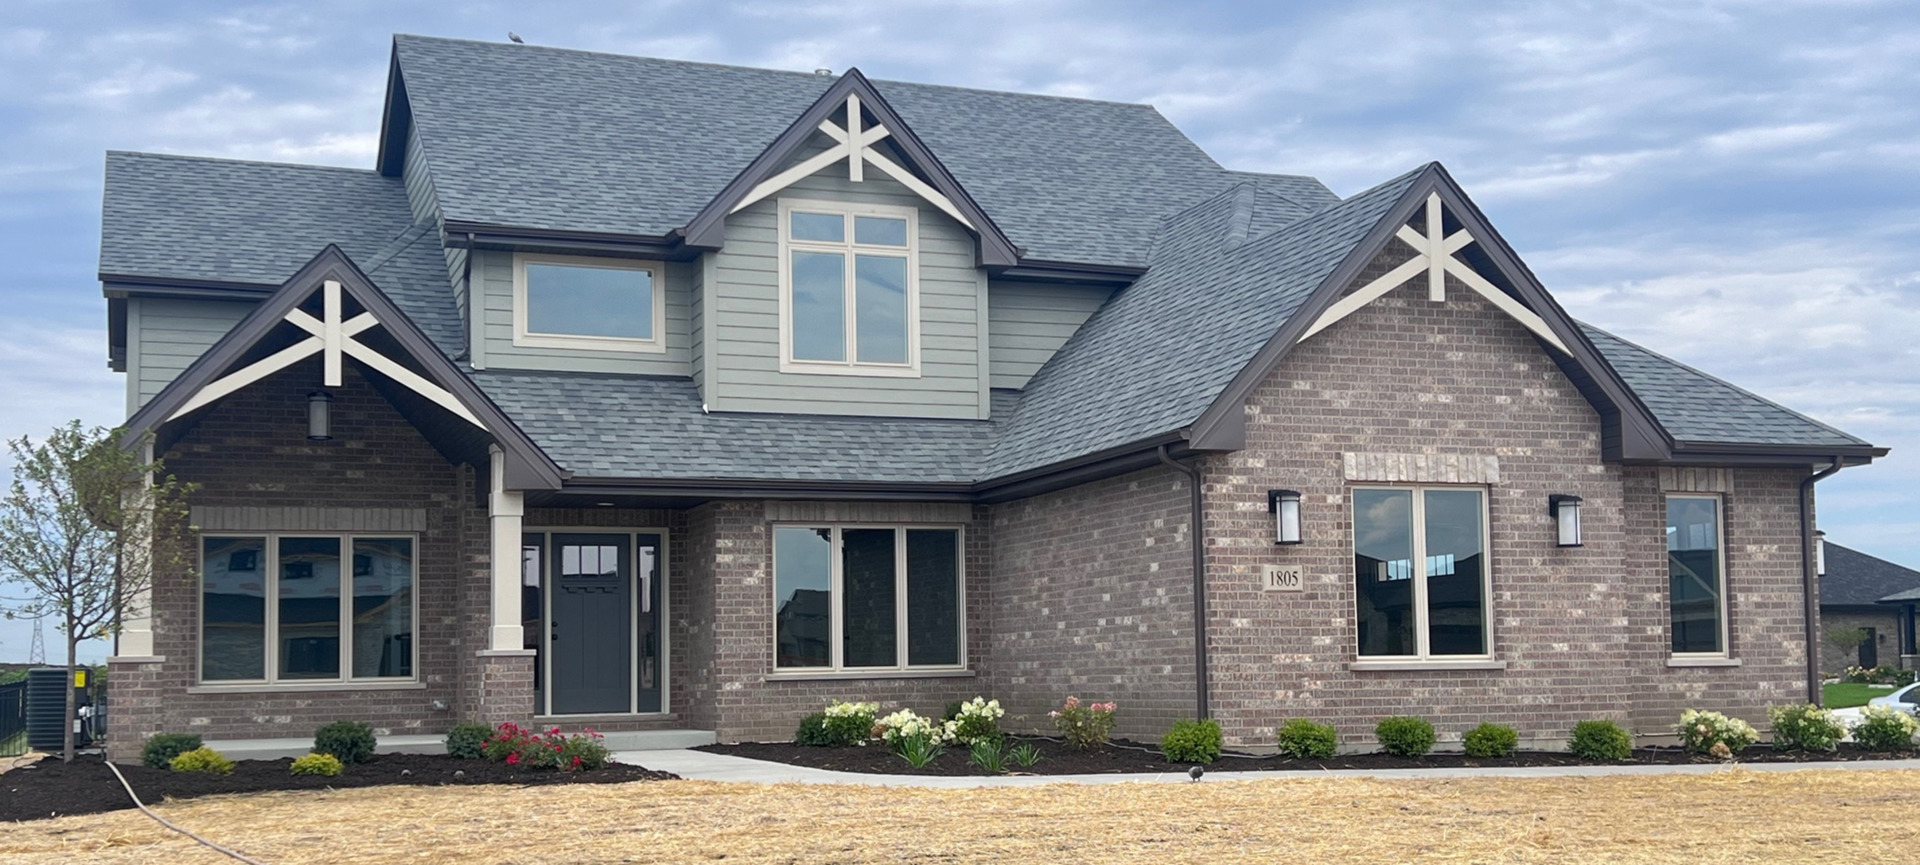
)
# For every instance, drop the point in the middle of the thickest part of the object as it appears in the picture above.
(590, 623)
(1870, 649)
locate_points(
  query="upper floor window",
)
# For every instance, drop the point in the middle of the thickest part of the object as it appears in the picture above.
(598, 304)
(848, 291)
(1420, 570)
(1696, 572)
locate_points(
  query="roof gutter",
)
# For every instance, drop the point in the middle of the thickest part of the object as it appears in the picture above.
(1197, 540)
(1809, 579)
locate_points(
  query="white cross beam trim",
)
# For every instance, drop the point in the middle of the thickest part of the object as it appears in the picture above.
(1436, 255)
(855, 139)
(332, 339)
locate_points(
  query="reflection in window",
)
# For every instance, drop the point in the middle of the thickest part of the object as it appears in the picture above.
(866, 598)
(802, 594)
(1414, 543)
(576, 300)
(296, 589)
(308, 599)
(851, 580)
(383, 608)
(848, 287)
(1694, 570)
(1383, 570)
(233, 610)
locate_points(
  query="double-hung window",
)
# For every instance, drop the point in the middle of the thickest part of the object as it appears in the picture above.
(306, 608)
(867, 597)
(1696, 573)
(587, 302)
(848, 291)
(1420, 570)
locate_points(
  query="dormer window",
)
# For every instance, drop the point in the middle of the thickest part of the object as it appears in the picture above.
(849, 294)
(595, 304)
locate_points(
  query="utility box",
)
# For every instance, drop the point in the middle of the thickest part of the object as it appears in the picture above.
(47, 718)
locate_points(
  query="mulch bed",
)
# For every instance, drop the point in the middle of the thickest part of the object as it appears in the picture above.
(1123, 756)
(51, 788)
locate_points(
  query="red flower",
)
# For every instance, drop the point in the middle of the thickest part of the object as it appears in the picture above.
(513, 759)
(576, 762)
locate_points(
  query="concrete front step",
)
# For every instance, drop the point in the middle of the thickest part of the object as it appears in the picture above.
(631, 740)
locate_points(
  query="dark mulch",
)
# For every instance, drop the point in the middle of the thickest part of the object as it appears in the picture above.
(51, 788)
(1123, 756)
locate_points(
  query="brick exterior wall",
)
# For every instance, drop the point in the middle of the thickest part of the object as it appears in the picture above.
(1886, 626)
(252, 450)
(1093, 597)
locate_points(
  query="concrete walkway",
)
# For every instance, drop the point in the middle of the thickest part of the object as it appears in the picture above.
(703, 766)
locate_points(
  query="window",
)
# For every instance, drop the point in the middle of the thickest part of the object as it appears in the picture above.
(582, 302)
(278, 608)
(1420, 570)
(861, 597)
(1696, 573)
(848, 290)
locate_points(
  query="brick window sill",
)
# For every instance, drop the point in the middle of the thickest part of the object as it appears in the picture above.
(847, 675)
(1416, 666)
(1702, 662)
(290, 687)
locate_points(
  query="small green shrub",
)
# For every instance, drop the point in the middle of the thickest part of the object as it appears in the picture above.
(1024, 756)
(317, 764)
(161, 748)
(351, 741)
(1490, 740)
(1885, 729)
(1600, 742)
(1701, 731)
(1804, 728)
(813, 732)
(850, 723)
(1404, 736)
(987, 754)
(202, 759)
(1302, 739)
(468, 739)
(1192, 741)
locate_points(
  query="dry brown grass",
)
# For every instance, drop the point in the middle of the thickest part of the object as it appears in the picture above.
(1732, 816)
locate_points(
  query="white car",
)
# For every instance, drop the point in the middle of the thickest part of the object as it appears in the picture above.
(1907, 698)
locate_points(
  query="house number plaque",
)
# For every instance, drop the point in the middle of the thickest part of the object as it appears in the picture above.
(1282, 578)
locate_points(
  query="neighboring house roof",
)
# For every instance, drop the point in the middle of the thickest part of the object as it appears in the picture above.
(1907, 596)
(1855, 579)
(555, 139)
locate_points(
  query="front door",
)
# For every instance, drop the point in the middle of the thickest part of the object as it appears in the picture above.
(1870, 649)
(603, 596)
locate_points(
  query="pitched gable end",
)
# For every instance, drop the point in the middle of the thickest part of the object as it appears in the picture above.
(866, 123)
(1442, 234)
(331, 309)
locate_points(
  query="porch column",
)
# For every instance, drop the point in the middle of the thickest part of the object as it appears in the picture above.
(506, 507)
(135, 639)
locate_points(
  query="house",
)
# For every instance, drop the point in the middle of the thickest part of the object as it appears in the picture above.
(1862, 591)
(666, 395)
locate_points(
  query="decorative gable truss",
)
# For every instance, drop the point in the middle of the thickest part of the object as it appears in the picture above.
(858, 144)
(248, 354)
(1436, 253)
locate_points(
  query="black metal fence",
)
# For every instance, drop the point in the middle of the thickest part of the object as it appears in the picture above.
(13, 719)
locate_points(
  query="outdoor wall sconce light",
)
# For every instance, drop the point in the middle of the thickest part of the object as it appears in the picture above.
(1285, 507)
(319, 416)
(1566, 515)
(1819, 553)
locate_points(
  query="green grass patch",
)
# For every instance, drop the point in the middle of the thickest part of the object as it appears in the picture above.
(1846, 695)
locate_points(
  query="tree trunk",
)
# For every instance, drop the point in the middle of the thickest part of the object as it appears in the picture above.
(73, 653)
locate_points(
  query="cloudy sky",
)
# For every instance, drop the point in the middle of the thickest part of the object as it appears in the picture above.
(1733, 184)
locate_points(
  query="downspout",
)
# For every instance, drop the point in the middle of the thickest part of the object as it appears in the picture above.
(1197, 539)
(1809, 580)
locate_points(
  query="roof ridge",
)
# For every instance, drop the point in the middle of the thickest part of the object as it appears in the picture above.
(772, 71)
(148, 154)
(1723, 382)
(1253, 243)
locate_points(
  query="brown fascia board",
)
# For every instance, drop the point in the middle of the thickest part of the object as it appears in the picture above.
(727, 488)
(1110, 275)
(707, 230)
(125, 285)
(478, 235)
(1642, 438)
(396, 117)
(1726, 454)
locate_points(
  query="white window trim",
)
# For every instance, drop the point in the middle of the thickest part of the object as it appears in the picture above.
(1425, 659)
(270, 565)
(836, 632)
(848, 248)
(526, 338)
(1725, 652)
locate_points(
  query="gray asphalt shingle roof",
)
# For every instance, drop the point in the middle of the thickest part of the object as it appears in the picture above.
(1854, 578)
(549, 138)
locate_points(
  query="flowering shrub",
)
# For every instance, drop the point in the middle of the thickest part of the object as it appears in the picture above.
(1807, 728)
(977, 720)
(1085, 725)
(1882, 728)
(527, 748)
(917, 740)
(848, 723)
(1701, 731)
(317, 764)
(1884, 674)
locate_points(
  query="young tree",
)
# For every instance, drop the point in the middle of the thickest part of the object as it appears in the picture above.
(1846, 639)
(86, 526)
